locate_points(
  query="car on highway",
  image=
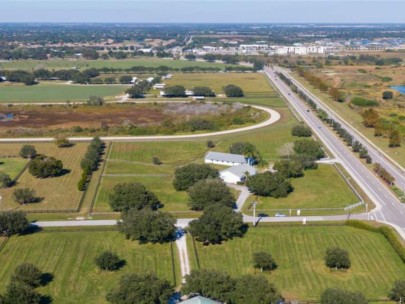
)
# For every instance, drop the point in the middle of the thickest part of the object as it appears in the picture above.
(280, 215)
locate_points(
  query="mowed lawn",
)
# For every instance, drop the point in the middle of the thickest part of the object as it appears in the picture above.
(169, 152)
(57, 193)
(321, 188)
(160, 185)
(132, 162)
(12, 166)
(299, 253)
(56, 92)
(69, 256)
(82, 64)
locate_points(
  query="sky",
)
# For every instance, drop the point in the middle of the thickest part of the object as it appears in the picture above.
(204, 11)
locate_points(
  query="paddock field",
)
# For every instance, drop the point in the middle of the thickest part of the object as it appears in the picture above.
(69, 257)
(299, 253)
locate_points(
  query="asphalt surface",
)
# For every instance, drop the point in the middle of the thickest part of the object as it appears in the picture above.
(388, 208)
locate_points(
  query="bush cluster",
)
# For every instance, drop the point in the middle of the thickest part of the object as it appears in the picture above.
(362, 102)
(43, 166)
(301, 130)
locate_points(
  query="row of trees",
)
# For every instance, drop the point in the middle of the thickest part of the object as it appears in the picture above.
(90, 161)
(220, 286)
(320, 84)
(217, 285)
(384, 174)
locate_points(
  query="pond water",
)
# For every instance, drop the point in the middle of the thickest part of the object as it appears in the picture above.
(400, 88)
(6, 117)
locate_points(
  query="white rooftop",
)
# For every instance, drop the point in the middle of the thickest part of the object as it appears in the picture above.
(241, 170)
(200, 300)
(226, 157)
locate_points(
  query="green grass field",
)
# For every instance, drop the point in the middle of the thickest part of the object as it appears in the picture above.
(132, 162)
(57, 192)
(311, 191)
(82, 64)
(56, 92)
(69, 256)
(161, 185)
(299, 253)
(170, 152)
(12, 166)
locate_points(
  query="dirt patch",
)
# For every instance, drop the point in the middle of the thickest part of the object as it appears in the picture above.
(85, 117)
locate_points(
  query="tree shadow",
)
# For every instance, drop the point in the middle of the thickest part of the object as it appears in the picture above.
(121, 264)
(31, 230)
(63, 172)
(67, 145)
(46, 278)
(45, 299)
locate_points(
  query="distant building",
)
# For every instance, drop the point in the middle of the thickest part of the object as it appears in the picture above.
(159, 86)
(2, 78)
(168, 76)
(225, 159)
(134, 80)
(189, 93)
(236, 174)
(198, 98)
(149, 50)
(200, 300)
(150, 79)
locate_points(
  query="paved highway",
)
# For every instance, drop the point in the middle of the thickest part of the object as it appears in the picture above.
(375, 152)
(388, 208)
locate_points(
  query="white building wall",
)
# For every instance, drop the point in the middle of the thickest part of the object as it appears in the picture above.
(230, 178)
(224, 163)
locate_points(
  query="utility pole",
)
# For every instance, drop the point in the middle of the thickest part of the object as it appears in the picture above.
(254, 214)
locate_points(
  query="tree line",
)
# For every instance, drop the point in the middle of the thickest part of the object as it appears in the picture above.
(90, 161)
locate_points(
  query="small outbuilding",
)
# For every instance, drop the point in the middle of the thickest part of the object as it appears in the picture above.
(226, 159)
(237, 174)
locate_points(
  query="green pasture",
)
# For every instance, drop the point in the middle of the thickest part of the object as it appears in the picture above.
(56, 92)
(299, 253)
(82, 64)
(12, 166)
(69, 257)
(162, 186)
(320, 188)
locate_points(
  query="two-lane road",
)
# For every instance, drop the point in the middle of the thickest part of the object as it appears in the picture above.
(389, 210)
